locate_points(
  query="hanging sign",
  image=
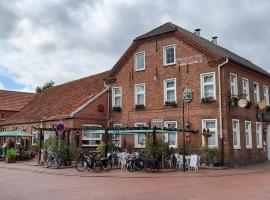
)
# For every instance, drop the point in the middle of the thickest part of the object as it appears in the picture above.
(187, 95)
(60, 128)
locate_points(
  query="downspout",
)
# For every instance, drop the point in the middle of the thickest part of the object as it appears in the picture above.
(108, 107)
(220, 108)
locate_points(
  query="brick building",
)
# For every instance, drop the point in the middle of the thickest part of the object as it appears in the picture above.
(146, 86)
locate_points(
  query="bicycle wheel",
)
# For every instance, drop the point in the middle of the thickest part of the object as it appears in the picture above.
(55, 163)
(48, 163)
(81, 165)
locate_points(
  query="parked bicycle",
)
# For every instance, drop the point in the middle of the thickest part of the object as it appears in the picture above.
(143, 162)
(54, 161)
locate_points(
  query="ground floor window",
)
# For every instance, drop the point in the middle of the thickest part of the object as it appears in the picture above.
(211, 124)
(236, 133)
(91, 138)
(248, 134)
(117, 138)
(171, 138)
(34, 137)
(259, 134)
(140, 138)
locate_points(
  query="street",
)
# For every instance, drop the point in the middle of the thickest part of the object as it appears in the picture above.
(19, 181)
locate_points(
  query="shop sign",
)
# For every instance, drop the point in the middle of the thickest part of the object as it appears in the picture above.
(187, 95)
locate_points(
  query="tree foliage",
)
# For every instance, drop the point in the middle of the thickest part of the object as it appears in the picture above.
(46, 85)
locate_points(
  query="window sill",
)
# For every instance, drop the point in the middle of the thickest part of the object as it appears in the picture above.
(236, 148)
(139, 70)
(169, 65)
(139, 147)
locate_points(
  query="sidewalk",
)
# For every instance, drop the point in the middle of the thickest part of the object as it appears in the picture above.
(33, 166)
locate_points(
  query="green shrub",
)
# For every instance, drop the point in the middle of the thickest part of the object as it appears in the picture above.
(11, 154)
(158, 148)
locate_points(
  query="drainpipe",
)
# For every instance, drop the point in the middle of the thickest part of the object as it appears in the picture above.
(108, 89)
(220, 108)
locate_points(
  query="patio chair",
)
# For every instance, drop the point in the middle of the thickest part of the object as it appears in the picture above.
(194, 163)
(179, 161)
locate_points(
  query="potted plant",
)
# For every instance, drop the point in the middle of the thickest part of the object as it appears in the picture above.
(207, 100)
(139, 106)
(171, 103)
(233, 101)
(117, 109)
(11, 156)
(211, 155)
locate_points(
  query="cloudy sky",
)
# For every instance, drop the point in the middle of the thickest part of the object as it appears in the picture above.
(62, 40)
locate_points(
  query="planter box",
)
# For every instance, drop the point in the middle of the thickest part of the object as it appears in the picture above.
(117, 109)
(171, 103)
(139, 107)
(8, 160)
(208, 100)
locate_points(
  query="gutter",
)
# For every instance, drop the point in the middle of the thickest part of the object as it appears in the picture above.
(220, 96)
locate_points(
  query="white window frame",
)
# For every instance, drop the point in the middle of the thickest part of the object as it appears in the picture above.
(136, 144)
(247, 95)
(203, 84)
(216, 131)
(114, 96)
(165, 55)
(249, 134)
(135, 94)
(266, 94)
(34, 137)
(166, 135)
(257, 97)
(233, 85)
(237, 131)
(259, 135)
(165, 89)
(120, 136)
(91, 139)
(135, 61)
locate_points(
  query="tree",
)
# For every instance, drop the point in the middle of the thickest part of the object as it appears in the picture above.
(46, 85)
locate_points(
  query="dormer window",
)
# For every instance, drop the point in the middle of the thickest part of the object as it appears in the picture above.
(169, 55)
(139, 61)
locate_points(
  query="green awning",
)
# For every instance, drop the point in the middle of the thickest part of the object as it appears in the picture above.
(15, 134)
(131, 131)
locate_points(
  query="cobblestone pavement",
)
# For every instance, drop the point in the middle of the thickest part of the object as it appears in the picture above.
(26, 180)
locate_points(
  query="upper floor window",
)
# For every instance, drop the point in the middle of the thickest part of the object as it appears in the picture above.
(91, 138)
(169, 55)
(140, 94)
(236, 133)
(256, 92)
(171, 137)
(259, 134)
(208, 85)
(245, 85)
(140, 138)
(170, 90)
(248, 134)
(139, 62)
(266, 95)
(117, 97)
(211, 124)
(233, 84)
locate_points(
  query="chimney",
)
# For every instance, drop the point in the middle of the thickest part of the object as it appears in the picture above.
(197, 32)
(214, 40)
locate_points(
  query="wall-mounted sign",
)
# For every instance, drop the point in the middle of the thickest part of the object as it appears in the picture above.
(60, 128)
(242, 103)
(100, 108)
(187, 95)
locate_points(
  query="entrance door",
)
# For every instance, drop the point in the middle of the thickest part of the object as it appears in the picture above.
(268, 141)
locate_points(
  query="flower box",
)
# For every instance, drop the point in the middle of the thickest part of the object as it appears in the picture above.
(208, 100)
(139, 107)
(171, 103)
(117, 109)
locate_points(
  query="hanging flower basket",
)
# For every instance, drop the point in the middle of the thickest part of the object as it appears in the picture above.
(233, 102)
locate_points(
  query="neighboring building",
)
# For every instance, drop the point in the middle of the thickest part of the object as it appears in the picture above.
(146, 86)
(76, 104)
(148, 81)
(12, 102)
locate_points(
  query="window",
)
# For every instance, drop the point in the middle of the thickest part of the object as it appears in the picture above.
(266, 95)
(208, 85)
(2, 116)
(140, 137)
(248, 134)
(171, 137)
(140, 94)
(139, 61)
(117, 97)
(211, 124)
(117, 138)
(245, 85)
(259, 134)
(236, 134)
(170, 90)
(169, 55)
(256, 92)
(91, 138)
(35, 136)
(233, 83)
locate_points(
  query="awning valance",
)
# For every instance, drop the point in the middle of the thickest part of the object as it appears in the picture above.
(15, 134)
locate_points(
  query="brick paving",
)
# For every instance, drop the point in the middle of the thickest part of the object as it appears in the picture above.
(26, 180)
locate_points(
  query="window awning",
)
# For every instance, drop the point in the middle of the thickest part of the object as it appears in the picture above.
(15, 134)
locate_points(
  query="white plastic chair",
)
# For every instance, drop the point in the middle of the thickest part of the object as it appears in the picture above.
(179, 161)
(194, 162)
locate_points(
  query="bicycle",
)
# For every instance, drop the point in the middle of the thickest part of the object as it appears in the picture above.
(53, 161)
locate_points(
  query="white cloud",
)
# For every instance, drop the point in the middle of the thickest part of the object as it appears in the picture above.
(2, 87)
(62, 40)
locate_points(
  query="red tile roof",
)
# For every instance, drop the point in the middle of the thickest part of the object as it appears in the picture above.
(14, 101)
(60, 101)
